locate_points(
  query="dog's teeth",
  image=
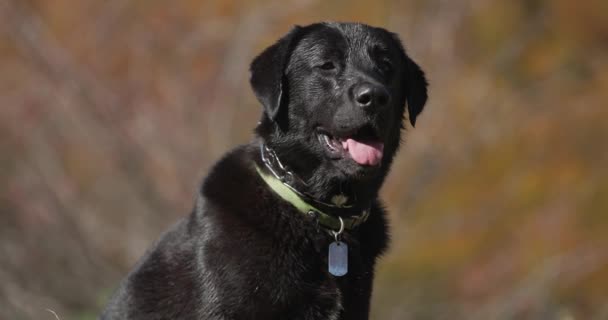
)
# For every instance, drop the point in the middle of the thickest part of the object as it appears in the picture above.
(344, 144)
(328, 142)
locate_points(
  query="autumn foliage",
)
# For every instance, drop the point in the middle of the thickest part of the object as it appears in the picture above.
(112, 111)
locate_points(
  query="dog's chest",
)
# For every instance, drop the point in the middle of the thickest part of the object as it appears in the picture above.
(334, 312)
(332, 292)
(327, 304)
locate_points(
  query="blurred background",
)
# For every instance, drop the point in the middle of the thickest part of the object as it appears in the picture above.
(112, 111)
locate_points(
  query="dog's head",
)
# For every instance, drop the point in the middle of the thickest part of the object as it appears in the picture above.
(334, 97)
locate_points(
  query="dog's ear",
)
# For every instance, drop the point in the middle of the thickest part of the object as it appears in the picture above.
(415, 92)
(415, 83)
(268, 73)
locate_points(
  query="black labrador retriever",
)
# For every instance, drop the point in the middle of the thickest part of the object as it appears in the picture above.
(289, 226)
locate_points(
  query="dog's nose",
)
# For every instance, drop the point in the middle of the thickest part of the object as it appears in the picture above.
(368, 95)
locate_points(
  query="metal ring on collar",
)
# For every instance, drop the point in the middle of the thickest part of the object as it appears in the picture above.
(337, 234)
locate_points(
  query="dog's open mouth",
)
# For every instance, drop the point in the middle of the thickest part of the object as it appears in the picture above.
(364, 147)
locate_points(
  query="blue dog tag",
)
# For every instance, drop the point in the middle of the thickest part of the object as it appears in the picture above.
(338, 258)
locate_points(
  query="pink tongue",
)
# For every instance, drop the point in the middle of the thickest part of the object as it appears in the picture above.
(364, 153)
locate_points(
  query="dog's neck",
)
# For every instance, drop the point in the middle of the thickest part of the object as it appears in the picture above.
(336, 196)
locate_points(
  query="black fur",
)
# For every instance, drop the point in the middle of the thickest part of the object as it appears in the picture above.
(243, 253)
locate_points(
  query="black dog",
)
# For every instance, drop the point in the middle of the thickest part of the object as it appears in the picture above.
(289, 226)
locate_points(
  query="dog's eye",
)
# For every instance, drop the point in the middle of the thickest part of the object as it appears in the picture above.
(386, 65)
(327, 66)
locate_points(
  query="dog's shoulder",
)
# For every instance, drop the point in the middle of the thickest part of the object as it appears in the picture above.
(165, 275)
(181, 268)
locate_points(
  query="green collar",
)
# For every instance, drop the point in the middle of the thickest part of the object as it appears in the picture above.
(327, 221)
